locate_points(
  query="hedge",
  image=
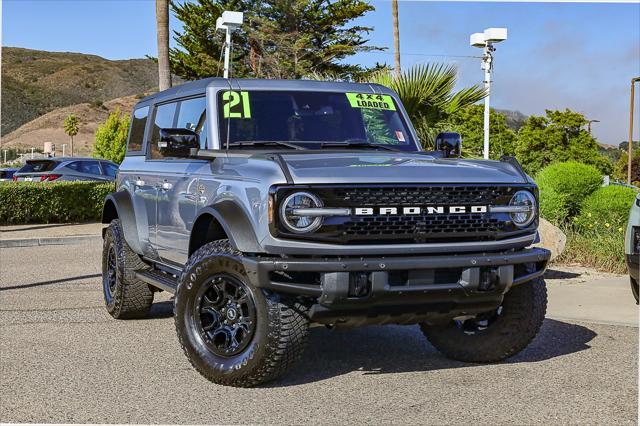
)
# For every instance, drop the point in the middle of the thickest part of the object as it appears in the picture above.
(54, 202)
(574, 180)
(553, 206)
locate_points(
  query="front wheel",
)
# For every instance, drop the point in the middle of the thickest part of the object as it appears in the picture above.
(231, 332)
(497, 335)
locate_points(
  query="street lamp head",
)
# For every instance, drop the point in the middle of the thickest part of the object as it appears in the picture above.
(477, 40)
(229, 21)
(495, 35)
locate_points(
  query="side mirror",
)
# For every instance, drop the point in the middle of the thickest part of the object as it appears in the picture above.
(177, 142)
(450, 144)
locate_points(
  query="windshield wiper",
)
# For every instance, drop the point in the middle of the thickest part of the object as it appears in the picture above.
(262, 143)
(356, 143)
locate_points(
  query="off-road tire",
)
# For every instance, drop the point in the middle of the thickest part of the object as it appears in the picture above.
(634, 288)
(523, 311)
(280, 332)
(131, 297)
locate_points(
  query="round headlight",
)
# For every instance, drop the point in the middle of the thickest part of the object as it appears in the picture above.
(295, 222)
(525, 204)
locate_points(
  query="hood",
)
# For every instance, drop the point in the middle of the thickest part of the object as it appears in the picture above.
(392, 167)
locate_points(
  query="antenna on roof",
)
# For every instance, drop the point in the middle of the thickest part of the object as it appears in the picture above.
(229, 22)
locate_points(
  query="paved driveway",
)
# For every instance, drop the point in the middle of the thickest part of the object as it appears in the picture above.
(63, 359)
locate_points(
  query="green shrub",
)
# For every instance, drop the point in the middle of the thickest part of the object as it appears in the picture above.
(601, 250)
(574, 180)
(606, 210)
(553, 206)
(55, 202)
(111, 137)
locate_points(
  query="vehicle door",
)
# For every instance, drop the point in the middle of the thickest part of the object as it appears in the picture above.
(177, 189)
(109, 170)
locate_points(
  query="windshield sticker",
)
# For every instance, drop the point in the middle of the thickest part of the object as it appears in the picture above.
(236, 104)
(400, 135)
(369, 100)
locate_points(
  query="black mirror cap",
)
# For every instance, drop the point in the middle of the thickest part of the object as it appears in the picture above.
(449, 143)
(177, 142)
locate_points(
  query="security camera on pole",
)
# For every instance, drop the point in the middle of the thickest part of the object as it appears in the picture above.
(229, 22)
(486, 40)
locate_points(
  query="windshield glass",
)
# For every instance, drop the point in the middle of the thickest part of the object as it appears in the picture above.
(38, 166)
(312, 119)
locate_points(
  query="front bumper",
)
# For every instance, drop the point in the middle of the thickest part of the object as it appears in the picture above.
(404, 289)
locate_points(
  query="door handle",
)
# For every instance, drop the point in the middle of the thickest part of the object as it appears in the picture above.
(139, 183)
(166, 186)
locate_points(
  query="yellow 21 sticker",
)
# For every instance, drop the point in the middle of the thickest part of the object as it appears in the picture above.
(370, 100)
(236, 104)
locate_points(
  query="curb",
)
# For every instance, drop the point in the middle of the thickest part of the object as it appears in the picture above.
(30, 242)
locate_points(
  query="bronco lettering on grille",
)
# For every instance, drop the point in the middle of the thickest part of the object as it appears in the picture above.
(368, 211)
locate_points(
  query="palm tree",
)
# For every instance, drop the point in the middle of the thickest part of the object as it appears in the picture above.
(162, 24)
(396, 35)
(427, 92)
(71, 127)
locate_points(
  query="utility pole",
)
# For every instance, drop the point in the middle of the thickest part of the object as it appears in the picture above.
(630, 147)
(5, 156)
(589, 124)
(396, 36)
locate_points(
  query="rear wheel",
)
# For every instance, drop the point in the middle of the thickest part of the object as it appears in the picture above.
(125, 296)
(496, 335)
(634, 288)
(233, 333)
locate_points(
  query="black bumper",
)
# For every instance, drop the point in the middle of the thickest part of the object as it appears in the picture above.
(398, 289)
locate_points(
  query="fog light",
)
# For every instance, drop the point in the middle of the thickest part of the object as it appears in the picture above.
(359, 284)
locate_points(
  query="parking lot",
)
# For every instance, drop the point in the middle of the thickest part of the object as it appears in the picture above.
(63, 359)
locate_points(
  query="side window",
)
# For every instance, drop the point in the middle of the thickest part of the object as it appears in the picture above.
(136, 131)
(164, 118)
(192, 115)
(109, 169)
(90, 167)
(74, 166)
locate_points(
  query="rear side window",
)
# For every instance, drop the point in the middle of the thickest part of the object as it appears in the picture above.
(38, 166)
(136, 131)
(109, 169)
(192, 115)
(89, 167)
(164, 119)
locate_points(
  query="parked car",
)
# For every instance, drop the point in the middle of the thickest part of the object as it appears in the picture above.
(7, 174)
(267, 205)
(66, 169)
(632, 246)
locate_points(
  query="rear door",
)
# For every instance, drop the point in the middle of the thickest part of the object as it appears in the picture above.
(177, 188)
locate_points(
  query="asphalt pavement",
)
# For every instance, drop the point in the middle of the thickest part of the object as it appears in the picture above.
(64, 359)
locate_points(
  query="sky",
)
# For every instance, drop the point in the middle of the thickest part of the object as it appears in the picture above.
(580, 56)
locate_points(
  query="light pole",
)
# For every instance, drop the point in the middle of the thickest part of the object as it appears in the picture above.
(630, 147)
(229, 22)
(486, 40)
(589, 124)
(63, 145)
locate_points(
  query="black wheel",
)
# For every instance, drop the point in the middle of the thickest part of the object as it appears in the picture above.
(634, 288)
(233, 333)
(497, 335)
(125, 296)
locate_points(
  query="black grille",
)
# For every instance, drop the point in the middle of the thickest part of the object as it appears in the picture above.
(420, 228)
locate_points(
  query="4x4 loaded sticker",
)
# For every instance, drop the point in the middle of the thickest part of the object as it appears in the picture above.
(236, 104)
(369, 100)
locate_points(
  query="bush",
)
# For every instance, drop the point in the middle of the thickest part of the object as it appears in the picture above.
(553, 206)
(55, 202)
(111, 138)
(606, 210)
(574, 180)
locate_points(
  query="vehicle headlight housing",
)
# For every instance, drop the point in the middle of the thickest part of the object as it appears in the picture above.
(525, 204)
(296, 223)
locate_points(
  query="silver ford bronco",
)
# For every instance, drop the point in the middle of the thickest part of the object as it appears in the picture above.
(266, 206)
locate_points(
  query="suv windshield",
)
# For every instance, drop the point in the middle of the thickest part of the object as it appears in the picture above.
(311, 120)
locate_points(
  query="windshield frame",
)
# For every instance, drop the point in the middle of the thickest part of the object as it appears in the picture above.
(413, 145)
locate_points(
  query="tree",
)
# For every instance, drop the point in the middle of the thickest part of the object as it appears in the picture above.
(111, 137)
(279, 38)
(469, 122)
(162, 25)
(71, 127)
(396, 36)
(427, 92)
(559, 136)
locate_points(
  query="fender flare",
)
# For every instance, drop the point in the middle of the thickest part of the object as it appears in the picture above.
(121, 201)
(235, 223)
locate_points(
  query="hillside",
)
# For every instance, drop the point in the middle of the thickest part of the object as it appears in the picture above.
(48, 128)
(36, 82)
